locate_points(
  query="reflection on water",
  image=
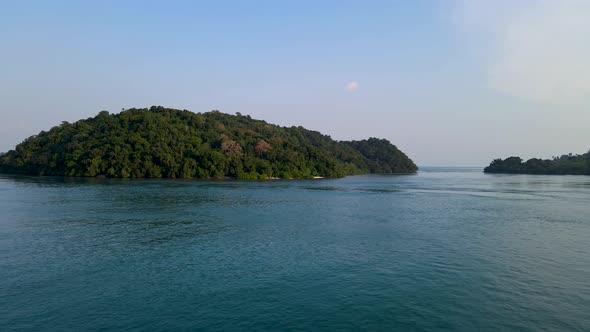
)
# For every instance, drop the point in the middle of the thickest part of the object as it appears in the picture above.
(448, 248)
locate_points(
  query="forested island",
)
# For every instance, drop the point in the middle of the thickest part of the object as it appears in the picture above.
(167, 143)
(566, 164)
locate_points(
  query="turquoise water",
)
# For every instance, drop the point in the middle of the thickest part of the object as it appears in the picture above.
(447, 249)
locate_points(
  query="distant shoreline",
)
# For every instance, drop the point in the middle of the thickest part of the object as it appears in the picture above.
(569, 164)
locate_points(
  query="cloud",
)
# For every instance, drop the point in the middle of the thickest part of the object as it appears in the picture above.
(352, 86)
(538, 50)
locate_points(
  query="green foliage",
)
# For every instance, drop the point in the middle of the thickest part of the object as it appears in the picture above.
(380, 156)
(161, 142)
(566, 164)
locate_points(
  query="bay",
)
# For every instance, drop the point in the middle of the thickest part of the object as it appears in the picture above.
(446, 249)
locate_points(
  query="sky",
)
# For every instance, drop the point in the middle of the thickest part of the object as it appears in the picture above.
(450, 82)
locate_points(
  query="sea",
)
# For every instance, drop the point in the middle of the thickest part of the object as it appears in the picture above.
(446, 249)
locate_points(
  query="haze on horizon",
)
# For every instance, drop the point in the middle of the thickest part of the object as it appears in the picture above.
(451, 83)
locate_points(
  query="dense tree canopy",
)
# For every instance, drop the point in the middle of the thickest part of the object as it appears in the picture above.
(162, 142)
(566, 164)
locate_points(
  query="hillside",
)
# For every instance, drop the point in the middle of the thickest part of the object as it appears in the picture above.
(162, 142)
(566, 164)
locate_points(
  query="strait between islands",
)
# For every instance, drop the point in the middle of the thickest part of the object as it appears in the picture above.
(167, 143)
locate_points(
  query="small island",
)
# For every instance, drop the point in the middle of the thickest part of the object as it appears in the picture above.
(565, 165)
(167, 143)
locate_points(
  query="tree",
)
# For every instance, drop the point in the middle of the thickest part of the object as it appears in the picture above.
(262, 147)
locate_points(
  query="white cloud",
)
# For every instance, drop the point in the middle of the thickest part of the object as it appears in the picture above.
(352, 86)
(539, 50)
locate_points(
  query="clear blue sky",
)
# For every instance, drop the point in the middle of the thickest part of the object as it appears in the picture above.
(449, 82)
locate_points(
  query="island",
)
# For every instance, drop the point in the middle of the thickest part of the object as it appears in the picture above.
(160, 142)
(569, 164)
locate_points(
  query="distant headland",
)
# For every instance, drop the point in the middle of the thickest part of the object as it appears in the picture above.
(566, 165)
(167, 143)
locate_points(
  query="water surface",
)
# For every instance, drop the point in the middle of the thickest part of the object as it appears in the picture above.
(447, 249)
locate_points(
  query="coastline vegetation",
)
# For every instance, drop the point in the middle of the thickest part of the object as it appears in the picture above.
(566, 164)
(162, 142)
